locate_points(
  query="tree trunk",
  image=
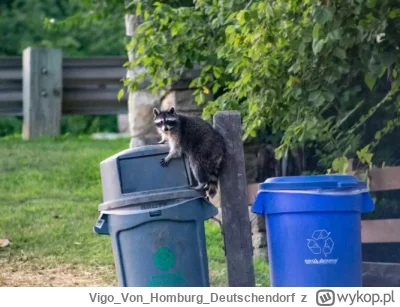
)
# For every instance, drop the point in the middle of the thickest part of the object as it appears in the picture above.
(141, 102)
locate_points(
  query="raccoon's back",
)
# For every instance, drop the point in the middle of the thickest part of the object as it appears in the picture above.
(198, 136)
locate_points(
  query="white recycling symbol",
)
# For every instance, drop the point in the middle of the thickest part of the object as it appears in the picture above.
(320, 242)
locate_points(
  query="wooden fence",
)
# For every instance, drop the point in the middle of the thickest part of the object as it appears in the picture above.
(381, 236)
(382, 231)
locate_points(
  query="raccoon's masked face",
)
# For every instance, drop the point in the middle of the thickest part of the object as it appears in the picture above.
(165, 120)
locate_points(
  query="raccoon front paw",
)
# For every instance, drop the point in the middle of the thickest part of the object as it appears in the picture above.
(161, 142)
(164, 162)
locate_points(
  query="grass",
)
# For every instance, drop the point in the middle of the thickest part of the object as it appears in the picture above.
(49, 195)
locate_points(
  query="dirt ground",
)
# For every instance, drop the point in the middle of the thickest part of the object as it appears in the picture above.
(25, 274)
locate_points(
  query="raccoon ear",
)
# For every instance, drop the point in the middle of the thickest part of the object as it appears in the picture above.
(156, 111)
(171, 110)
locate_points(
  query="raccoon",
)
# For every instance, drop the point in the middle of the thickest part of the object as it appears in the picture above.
(198, 141)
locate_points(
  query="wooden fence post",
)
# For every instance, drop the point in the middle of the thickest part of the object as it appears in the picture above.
(234, 203)
(42, 92)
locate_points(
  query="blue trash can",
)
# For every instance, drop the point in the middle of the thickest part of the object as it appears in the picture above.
(314, 229)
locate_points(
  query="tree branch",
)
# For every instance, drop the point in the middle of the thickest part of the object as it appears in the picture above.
(248, 4)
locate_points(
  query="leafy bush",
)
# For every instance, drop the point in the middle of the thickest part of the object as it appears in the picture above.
(22, 24)
(319, 73)
(87, 124)
(10, 125)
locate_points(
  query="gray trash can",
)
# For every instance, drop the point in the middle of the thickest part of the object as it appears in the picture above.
(155, 221)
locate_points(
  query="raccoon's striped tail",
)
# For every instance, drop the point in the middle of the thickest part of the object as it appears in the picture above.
(212, 184)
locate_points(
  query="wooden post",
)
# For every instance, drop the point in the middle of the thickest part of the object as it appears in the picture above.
(42, 92)
(234, 203)
(350, 166)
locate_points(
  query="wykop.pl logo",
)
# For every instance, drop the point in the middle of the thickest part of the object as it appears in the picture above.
(325, 298)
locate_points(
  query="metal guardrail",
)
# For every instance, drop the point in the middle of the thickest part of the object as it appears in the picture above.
(90, 85)
(42, 85)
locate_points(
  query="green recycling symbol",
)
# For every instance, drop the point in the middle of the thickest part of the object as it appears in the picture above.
(164, 259)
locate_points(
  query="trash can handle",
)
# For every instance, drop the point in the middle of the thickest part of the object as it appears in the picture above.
(209, 209)
(101, 226)
(349, 185)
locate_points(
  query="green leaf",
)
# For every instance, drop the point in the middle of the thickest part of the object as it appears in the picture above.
(236, 41)
(141, 47)
(253, 108)
(324, 14)
(241, 17)
(194, 83)
(246, 77)
(138, 8)
(297, 92)
(215, 88)
(312, 87)
(395, 85)
(302, 47)
(340, 53)
(315, 32)
(328, 96)
(175, 27)
(382, 71)
(207, 68)
(369, 80)
(364, 155)
(317, 97)
(394, 13)
(336, 34)
(121, 94)
(146, 15)
(317, 46)
(340, 165)
(388, 58)
(199, 98)
(229, 29)
(371, 4)
(217, 72)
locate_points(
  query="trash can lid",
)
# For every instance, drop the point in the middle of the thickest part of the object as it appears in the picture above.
(307, 194)
(313, 182)
(137, 199)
